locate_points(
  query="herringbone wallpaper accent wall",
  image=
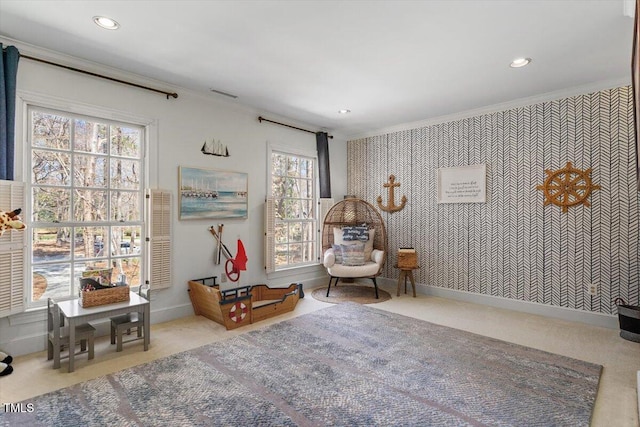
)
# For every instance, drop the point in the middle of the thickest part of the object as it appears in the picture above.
(512, 246)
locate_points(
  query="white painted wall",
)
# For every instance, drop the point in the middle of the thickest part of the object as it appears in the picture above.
(181, 125)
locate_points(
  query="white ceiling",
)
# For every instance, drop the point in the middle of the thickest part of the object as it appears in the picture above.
(389, 62)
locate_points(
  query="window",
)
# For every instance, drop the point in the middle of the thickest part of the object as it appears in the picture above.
(293, 191)
(86, 196)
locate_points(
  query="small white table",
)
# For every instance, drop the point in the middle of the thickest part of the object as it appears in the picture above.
(76, 314)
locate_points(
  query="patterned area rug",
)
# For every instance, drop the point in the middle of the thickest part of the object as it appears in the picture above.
(348, 365)
(350, 293)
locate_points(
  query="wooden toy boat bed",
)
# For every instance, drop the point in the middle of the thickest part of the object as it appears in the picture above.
(243, 305)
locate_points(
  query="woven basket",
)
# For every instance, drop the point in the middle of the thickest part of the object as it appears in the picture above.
(104, 296)
(407, 258)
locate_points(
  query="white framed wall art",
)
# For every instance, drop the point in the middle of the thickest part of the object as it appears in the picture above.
(463, 184)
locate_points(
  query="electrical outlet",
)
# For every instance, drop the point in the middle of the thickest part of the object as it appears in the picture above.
(223, 278)
(592, 289)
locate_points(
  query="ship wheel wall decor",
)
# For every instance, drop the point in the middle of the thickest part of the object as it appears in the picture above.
(567, 187)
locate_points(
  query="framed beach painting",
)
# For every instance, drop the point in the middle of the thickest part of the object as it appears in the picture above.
(206, 193)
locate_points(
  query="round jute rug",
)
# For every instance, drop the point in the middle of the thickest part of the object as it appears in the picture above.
(350, 293)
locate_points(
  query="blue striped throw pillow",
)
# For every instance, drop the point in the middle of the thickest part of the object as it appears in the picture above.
(353, 254)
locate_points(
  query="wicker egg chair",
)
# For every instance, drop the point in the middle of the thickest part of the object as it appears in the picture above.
(354, 212)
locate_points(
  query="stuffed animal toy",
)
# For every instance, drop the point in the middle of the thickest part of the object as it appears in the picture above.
(10, 220)
(5, 364)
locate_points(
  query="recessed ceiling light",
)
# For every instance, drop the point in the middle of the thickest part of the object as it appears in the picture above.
(519, 62)
(106, 23)
(344, 111)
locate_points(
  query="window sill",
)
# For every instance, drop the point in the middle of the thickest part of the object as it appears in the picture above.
(32, 315)
(295, 271)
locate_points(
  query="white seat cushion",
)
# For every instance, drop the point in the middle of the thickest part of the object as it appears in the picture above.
(368, 269)
(329, 260)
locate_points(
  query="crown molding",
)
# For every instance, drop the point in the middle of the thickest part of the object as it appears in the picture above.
(503, 106)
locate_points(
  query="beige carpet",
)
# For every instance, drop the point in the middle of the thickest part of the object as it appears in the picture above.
(350, 293)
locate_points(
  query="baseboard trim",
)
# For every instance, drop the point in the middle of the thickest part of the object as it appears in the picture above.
(37, 342)
(590, 318)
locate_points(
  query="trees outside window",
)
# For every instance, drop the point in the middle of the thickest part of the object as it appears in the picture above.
(86, 195)
(293, 190)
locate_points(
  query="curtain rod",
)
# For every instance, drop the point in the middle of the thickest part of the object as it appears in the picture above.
(260, 119)
(169, 94)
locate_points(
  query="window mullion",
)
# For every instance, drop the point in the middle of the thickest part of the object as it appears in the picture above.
(80, 219)
(292, 184)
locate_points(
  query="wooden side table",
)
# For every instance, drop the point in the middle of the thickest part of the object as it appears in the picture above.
(404, 273)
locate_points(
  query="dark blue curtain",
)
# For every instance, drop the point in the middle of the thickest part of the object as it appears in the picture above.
(322, 144)
(8, 73)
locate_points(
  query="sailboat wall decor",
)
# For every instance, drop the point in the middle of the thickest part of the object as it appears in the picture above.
(214, 148)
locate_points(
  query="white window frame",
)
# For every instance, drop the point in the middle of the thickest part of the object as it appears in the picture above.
(316, 191)
(26, 101)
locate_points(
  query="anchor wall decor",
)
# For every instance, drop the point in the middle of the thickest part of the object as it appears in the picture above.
(392, 207)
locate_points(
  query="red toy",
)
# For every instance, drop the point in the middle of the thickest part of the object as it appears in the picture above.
(233, 266)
